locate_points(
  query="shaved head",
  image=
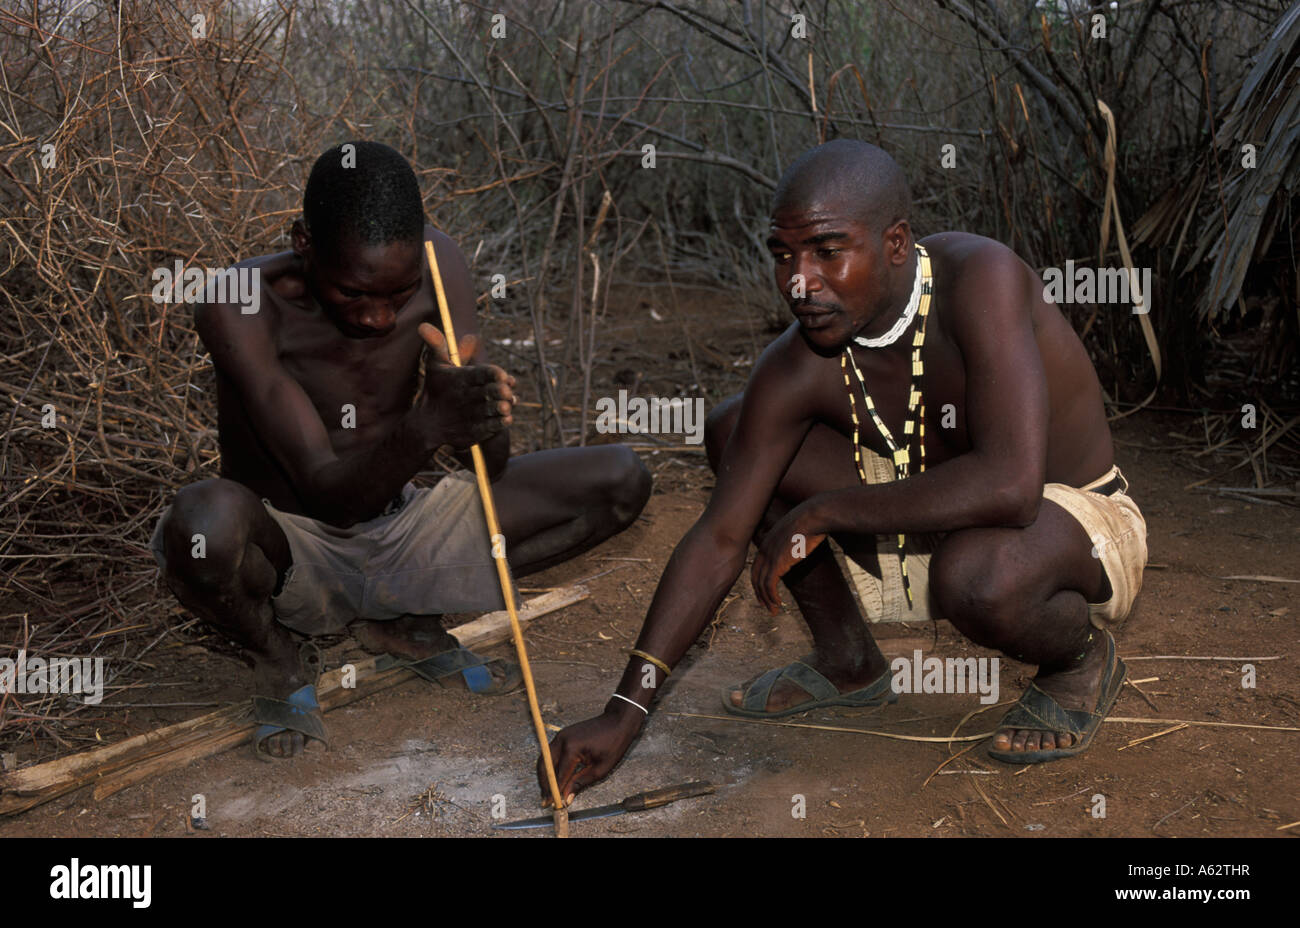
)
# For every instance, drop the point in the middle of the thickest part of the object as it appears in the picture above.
(862, 181)
(841, 243)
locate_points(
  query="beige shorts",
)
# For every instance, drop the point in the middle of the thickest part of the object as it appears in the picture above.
(428, 554)
(1113, 523)
(1119, 539)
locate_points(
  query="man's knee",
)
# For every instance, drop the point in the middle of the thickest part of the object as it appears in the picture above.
(628, 485)
(975, 584)
(718, 427)
(206, 533)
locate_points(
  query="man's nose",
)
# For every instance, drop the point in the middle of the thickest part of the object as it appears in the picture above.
(804, 277)
(379, 315)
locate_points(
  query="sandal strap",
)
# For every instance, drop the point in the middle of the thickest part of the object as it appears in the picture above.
(298, 712)
(797, 672)
(1037, 711)
(811, 680)
(448, 663)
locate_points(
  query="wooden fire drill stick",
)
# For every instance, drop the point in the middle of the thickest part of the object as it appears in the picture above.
(503, 573)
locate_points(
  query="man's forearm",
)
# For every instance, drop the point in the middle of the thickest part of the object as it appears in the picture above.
(357, 487)
(496, 452)
(964, 492)
(697, 578)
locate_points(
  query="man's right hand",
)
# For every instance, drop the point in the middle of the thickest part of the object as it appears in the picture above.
(585, 753)
(465, 405)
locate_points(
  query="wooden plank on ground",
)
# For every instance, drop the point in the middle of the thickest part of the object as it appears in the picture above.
(114, 767)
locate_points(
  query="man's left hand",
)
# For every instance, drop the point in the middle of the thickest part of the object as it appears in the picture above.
(791, 540)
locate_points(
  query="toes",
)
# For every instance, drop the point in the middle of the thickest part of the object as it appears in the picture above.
(1026, 740)
(737, 697)
(284, 744)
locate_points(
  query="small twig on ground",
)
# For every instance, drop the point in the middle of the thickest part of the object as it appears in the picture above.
(1183, 657)
(982, 795)
(1175, 812)
(1137, 689)
(1048, 802)
(1160, 734)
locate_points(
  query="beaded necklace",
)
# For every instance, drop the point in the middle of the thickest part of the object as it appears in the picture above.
(914, 422)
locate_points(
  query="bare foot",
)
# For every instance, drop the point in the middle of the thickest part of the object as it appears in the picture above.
(1075, 688)
(278, 675)
(787, 693)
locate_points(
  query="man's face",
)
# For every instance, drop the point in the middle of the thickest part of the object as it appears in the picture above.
(830, 268)
(362, 288)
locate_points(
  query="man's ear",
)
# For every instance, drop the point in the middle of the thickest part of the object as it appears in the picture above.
(301, 239)
(898, 242)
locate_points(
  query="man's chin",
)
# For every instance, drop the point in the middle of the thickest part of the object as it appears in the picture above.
(827, 342)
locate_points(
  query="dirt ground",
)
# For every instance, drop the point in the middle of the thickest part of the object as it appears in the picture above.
(420, 760)
(389, 750)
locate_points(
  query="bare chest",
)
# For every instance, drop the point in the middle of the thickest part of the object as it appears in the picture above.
(872, 398)
(358, 386)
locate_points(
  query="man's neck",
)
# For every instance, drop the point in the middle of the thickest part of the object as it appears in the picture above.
(900, 296)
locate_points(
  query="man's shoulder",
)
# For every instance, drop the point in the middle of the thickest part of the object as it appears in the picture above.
(979, 278)
(785, 354)
(277, 282)
(451, 259)
(960, 253)
(279, 272)
(786, 369)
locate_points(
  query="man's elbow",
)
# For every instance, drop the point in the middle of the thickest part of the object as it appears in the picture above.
(321, 500)
(1017, 504)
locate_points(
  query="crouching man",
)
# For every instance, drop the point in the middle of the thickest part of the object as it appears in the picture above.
(314, 523)
(925, 395)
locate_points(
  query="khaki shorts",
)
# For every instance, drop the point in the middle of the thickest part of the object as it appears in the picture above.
(1113, 523)
(427, 554)
(1119, 539)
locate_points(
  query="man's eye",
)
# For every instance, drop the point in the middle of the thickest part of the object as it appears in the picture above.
(350, 294)
(780, 257)
(828, 252)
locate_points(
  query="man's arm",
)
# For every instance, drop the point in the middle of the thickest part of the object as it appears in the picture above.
(458, 285)
(998, 482)
(773, 422)
(458, 407)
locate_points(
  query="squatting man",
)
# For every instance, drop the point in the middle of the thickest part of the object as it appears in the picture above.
(314, 524)
(1032, 545)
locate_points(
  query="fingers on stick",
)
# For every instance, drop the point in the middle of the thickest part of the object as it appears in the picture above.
(467, 347)
(435, 340)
